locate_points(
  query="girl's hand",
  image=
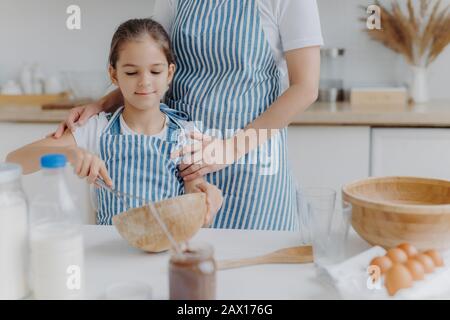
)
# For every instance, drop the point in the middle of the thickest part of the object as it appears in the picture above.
(88, 165)
(207, 154)
(77, 117)
(214, 199)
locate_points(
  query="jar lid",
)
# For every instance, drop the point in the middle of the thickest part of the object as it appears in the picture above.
(194, 252)
(9, 172)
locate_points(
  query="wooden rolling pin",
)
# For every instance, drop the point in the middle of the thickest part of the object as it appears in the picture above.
(301, 254)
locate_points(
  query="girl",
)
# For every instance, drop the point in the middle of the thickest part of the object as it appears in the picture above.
(130, 149)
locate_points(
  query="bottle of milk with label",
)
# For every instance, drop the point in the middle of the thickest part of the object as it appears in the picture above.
(56, 242)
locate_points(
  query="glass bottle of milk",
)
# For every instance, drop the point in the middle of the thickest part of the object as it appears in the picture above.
(56, 242)
(13, 234)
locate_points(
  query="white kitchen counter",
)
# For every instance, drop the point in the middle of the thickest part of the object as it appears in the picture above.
(109, 259)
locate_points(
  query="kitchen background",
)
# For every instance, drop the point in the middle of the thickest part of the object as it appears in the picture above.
(329, 145)
(34, 31)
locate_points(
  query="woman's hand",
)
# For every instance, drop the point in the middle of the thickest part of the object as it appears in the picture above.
(207, 154)
(77, 117)
(88, 165)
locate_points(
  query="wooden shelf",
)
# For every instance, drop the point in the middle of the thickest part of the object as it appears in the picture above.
(33, 99)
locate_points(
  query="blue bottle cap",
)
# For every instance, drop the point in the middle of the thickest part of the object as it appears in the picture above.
(53, 161)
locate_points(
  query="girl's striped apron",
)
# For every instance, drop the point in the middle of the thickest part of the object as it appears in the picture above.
(139, 165)
(226, 77)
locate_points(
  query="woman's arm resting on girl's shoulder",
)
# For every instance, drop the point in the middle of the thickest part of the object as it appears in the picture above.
(78, 116)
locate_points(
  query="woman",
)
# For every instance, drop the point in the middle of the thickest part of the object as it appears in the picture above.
(243, 66)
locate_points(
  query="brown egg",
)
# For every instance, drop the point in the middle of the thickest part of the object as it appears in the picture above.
(397, 277)
(410, 250)
(397, 255)
(426, 261)
(384, 263)
(436, 257)
(416, 269)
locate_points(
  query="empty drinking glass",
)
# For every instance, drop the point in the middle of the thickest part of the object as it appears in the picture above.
(317, 206)
(303, 219)
(337, 248)
(324, 225)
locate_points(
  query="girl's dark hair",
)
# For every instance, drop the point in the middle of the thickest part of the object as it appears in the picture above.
(136, 28)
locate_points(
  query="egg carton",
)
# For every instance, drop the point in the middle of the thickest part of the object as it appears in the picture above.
(353, 281)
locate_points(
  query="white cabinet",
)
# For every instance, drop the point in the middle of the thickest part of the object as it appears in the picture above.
(15, 135)
(329, 156)
(411, 152)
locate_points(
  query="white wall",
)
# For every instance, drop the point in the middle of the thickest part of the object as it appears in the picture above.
(35, 31)
(369, 62)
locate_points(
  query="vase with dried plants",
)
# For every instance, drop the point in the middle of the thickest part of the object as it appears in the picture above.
(420, 35)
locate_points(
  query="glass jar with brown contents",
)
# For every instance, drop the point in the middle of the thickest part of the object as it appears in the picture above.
(192, 273)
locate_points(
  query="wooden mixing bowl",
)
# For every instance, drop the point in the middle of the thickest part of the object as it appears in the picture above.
(390, 210)
(183, 215)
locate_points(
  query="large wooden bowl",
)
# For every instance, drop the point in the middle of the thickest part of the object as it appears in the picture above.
(183, 216)
(390, 210)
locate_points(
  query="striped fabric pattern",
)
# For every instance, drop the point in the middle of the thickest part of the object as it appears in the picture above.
(138, 165)
(226, 77)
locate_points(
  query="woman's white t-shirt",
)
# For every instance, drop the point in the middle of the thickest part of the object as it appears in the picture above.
(287, 24)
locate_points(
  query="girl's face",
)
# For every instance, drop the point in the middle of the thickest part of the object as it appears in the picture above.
(142, 73)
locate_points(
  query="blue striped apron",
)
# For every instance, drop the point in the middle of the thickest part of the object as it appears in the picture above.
(227, 77)
(139, 165)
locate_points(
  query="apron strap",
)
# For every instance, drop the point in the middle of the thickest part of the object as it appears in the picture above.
(114, 124)
(175, 128)
(176, 115)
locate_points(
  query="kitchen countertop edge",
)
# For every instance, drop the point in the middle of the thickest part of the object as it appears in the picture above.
(433, 114)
